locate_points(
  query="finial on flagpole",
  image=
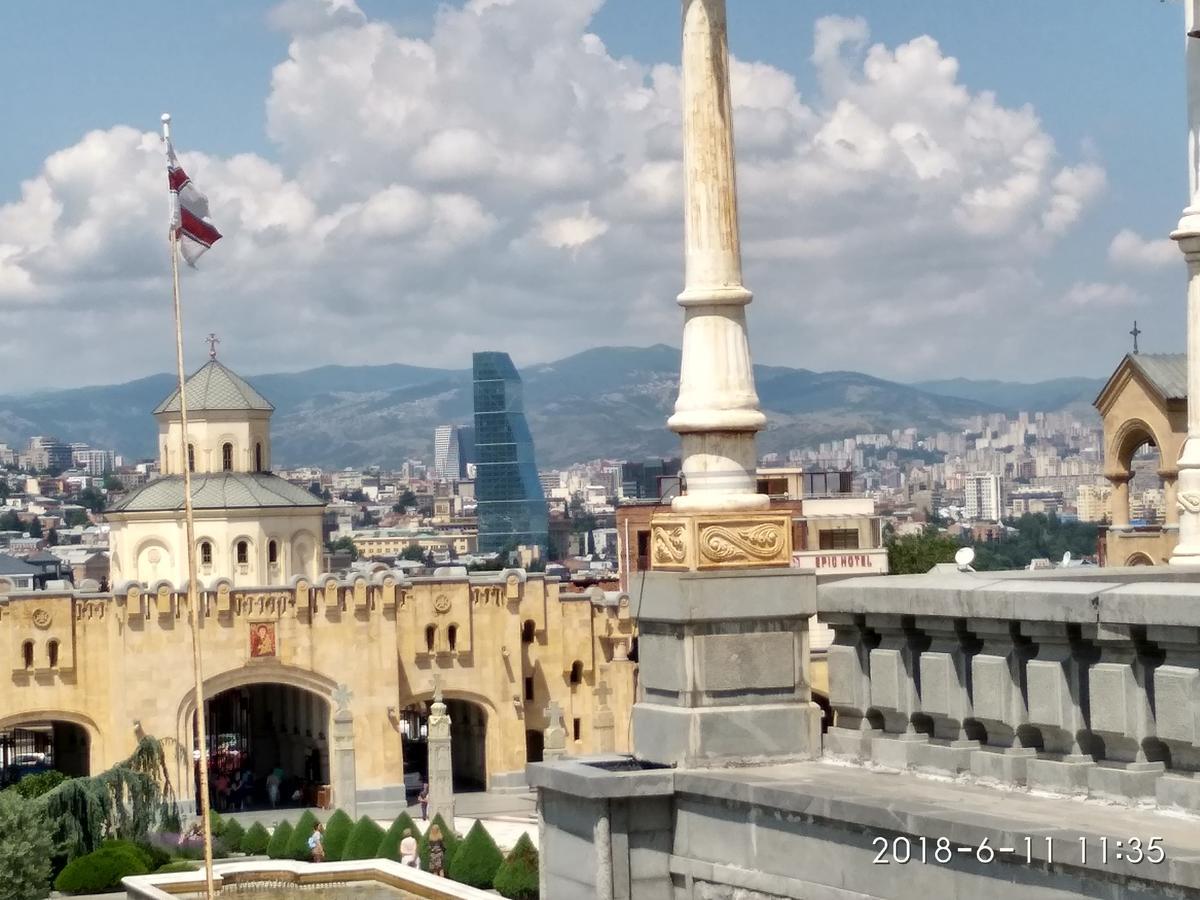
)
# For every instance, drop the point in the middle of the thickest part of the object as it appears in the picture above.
(166, 123)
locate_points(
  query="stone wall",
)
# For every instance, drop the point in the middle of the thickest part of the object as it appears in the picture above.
(124, 661)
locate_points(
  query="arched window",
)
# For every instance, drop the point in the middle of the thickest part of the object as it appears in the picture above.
(27, 654)
(205, 553)
(272, 552)
(258, 458)
(527, 630)
(430, 637)
(227, 457)
(191, 457)
(452, 636)
(577, 672)
(243, 552)
(52, 653)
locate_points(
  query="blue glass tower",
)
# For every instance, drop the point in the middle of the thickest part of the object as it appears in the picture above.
(511, 505)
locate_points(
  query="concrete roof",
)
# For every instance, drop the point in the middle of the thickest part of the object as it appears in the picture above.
(1166, 371)
(226, 490)
(215, 387)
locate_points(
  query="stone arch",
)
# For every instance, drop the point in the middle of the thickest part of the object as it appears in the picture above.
(481, 756)
(1139, 559)
(1132, 434)
(95, 739)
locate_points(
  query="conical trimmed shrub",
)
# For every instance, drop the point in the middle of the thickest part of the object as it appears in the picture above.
(231, 837)
(517, 877)
(281, 837)
(364, 840)
(297, 847)
(389, 846)
(337, 832)
(450, 841)
(477, 859)
(255, 840)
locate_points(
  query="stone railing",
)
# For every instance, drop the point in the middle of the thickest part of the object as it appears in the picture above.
(1084, 683)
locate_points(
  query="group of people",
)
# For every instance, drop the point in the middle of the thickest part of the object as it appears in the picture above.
(410, 854)
(233, 790)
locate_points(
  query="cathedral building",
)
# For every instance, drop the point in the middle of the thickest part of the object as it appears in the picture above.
(251, 526)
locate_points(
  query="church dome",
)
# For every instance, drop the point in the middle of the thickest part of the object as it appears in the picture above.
(214, 387)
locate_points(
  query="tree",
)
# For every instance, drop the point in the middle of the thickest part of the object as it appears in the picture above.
(113, 483)
(3, 489)
(413, 552)
(344, 543)
(35, 528)
(26, 848)
(477, 859)
(92, 499)
(517, 877)
(389, 844)
(52, 537)
(76, 517)
(255, 840)
(407, 499)
(280, 838)
(918, 553)
(364, 839)
(10, 521)
(297, 847)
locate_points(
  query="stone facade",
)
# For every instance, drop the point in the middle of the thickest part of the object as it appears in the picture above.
(506, 644)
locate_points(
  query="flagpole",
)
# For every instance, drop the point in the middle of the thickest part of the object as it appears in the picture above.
(193, 594)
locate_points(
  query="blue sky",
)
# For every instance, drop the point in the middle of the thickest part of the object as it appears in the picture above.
(1105, 79)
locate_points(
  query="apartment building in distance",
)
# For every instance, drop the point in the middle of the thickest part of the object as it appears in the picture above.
(984, 501)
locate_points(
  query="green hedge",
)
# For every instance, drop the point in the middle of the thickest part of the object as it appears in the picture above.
(389, 846)
(255, 840)
(364, 840)
(177, 865)
(215, 823)
(337, 832)
(232, 836)
(281, 837)
(450, 840)
(32, 786)
(26, 848)
(99, 871)
(477, 859)
(517, 877)
(297, 847)
(152, 857)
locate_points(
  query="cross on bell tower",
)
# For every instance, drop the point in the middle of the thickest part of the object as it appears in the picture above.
(212, 340)
(1135, 332)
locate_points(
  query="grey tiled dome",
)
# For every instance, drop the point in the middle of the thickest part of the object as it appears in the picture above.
(224, 490)
(216, 387)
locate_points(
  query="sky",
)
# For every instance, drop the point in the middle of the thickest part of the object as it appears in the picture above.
(927, 190)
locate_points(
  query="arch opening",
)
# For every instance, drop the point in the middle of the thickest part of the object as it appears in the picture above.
(267, 747)
(258, 462)
(34, 747)
(468, 744)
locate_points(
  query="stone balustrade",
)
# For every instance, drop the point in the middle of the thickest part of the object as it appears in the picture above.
(1078, 683)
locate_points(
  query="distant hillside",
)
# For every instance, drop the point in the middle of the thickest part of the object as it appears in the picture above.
(606, 402)
(1014, 396)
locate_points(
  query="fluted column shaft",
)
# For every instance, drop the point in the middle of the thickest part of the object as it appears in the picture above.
(716, 414)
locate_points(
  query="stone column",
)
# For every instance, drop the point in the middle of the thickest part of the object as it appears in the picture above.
(1170, 499)
(717, 413)
(441, 768)
(341, 754)
(1120, 501)
(1187, 234)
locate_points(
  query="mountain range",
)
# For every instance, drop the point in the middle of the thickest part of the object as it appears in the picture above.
(606, 402)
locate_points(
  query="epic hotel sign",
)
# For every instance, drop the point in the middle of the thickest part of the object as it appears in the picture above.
(865, 562)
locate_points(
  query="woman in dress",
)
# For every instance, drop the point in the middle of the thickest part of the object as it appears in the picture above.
(437, 851)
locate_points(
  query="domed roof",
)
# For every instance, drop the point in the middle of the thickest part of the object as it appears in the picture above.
(215, 387)
(224, 490)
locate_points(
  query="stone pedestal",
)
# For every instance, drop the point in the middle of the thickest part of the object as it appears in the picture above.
(441, 766)
(554, 738)
(724, 667)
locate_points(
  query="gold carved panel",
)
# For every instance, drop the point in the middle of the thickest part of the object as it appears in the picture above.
(709, 541)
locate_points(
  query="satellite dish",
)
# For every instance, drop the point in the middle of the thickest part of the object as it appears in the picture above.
(1066, 560)
(964, 557)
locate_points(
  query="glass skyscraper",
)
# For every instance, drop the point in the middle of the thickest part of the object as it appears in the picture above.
(511, 505)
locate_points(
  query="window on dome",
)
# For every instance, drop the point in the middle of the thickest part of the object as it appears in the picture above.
(243, 552)
(258, 467)
(191, 457)
(227, 457)
(272, 552)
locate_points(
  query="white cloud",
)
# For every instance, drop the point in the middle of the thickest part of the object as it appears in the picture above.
(1100, 295)
(425, 193)
(1130, 250)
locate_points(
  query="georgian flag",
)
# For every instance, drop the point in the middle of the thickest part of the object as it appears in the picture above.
(189, 212)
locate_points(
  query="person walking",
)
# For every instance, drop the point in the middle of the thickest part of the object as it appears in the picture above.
(437, 851)
(316, 844)
(423, 799)
(408, 850)
(274, 780)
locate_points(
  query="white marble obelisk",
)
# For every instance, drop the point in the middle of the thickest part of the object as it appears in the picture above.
(717, 414)
(1187, 234)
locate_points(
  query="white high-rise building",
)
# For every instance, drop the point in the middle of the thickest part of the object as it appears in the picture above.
(445, 453)
(983, 499)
